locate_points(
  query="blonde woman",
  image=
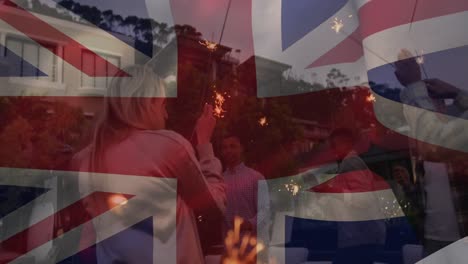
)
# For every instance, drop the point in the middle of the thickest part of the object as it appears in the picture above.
(131, 139)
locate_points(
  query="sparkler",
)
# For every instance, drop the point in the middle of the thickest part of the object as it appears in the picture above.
(293, 188)
(263, 121)
(338, 28)
(117, 199)
(241, 250)
(420, 57)
(413, 14)
(406, 54)
(371, 98)
(218, 110)
(210, 45)
(225, 20)
(420, 61)
(219, 100)
(337, 25)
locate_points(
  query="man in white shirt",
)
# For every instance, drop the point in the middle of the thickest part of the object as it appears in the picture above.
(426, 113)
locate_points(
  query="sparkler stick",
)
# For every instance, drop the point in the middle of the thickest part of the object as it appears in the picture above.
(338, 28)
(413, 15)
(212, 46)
(420, 61)
(419, 58)
(224, 23)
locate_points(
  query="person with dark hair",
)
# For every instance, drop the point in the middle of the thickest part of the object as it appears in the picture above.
(244, 187)
(342, 142)
(360, 241)
(439, 129)
(408, 195)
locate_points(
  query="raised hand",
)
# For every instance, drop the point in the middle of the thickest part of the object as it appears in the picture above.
(205, 125)
(407, 69)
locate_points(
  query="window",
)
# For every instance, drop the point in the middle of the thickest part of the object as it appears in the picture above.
(88, 60)
(40, 56)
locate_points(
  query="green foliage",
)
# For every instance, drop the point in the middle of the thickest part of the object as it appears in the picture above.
(266, 146)
(38, 133)
(143, 29)
(184, 110)
(335, 78)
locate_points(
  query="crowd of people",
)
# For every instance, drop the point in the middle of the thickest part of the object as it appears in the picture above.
(132, 139)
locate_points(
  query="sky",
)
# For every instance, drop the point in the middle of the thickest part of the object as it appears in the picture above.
(118, 6)
(206, 16)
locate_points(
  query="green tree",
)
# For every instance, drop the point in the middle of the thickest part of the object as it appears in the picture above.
(335, 78)
(267, 130)
(108, 17)
(39, 133)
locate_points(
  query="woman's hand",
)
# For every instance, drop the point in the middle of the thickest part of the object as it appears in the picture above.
(205, 125)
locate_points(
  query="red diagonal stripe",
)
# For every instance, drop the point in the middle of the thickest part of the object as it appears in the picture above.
(347, 51)
(30, 25)
(379, 15)
(22, 242)
(353, 182)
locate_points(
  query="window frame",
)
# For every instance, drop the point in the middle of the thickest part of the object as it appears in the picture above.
(52, 47)
(103, 55)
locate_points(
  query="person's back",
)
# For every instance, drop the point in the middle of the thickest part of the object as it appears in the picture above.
(170, 182)
(163, 154)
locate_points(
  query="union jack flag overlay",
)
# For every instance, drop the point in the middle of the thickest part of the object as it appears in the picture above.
(327, 46)
(247, 131)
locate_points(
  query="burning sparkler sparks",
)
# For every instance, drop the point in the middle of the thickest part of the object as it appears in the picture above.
(293, 188)
(420, 61)
(337, 25)
(370, 98)
(420, 57)
(263, 121)
(117, 199)
(219, 100)
(241, 250)
(210, 45)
